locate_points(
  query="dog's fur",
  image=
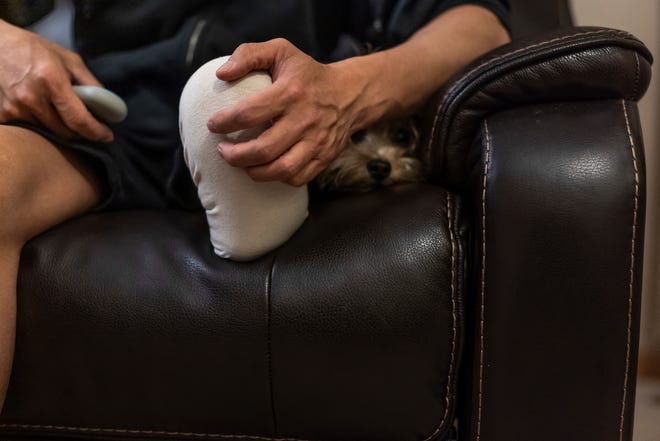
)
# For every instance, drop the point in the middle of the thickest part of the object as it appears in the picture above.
(363, 164)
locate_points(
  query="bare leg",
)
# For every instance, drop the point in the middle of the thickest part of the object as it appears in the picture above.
(40, 186)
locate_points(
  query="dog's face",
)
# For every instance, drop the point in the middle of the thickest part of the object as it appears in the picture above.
(382, 155)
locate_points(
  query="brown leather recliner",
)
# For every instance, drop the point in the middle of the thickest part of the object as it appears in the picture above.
(505, 293)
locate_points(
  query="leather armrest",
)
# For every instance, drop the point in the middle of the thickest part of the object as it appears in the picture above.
(553, 315)
(571, 64)
(544, 135)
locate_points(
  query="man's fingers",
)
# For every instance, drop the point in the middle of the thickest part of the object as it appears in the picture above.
(45, 113)
(248, 57)
(283, 137)
(265, 148)
(34, 108)
(305, 176)
(73, 113)
(76, 116)
(286, 167)
(253, 111)
(253, 56)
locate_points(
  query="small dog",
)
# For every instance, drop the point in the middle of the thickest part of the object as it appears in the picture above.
(379, 156)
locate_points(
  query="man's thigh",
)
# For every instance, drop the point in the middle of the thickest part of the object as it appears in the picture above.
(41, 185)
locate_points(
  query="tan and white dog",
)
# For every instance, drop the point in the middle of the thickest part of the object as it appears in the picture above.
(379, 156)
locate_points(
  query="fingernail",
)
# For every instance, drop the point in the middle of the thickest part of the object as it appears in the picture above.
(225, 67)
(221, 147)
(211, 126)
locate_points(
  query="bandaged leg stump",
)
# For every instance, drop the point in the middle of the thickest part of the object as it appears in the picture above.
(246, 218)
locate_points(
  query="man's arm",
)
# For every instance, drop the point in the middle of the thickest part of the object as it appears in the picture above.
(315, 107)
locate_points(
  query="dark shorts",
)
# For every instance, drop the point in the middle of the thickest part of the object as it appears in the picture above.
(135, 170)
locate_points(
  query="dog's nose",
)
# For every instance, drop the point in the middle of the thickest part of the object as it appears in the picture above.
(379, 169)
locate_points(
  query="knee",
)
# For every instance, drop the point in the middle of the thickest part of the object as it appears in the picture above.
(246, 219)
(38, 186)
(204, 94)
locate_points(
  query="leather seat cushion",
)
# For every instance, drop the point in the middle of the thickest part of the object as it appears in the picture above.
(130, 326)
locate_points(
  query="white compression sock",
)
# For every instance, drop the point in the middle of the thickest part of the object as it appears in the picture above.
(246, 219)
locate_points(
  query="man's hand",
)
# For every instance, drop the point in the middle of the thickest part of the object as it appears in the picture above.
(36, 78)
(314, 107)
(309, 105)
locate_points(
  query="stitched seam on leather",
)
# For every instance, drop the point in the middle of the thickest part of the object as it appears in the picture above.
(468, 77)
(142, 432)
(452, 360)
(452, 240)
(482, 309)
(631, 271)
(269, 292)
(637, 72)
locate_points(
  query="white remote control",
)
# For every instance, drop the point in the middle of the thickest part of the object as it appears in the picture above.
(101, 102)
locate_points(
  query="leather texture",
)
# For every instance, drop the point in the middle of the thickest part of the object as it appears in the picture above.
(569, 64)
(130, 326)
(555, 297)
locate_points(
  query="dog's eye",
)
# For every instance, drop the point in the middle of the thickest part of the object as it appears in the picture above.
(403, 137)
(358, 136)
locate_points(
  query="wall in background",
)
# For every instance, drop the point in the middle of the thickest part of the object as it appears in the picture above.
(641, 18)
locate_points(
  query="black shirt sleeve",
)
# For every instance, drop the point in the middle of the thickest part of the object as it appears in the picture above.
(386, 23)
(403, 17)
